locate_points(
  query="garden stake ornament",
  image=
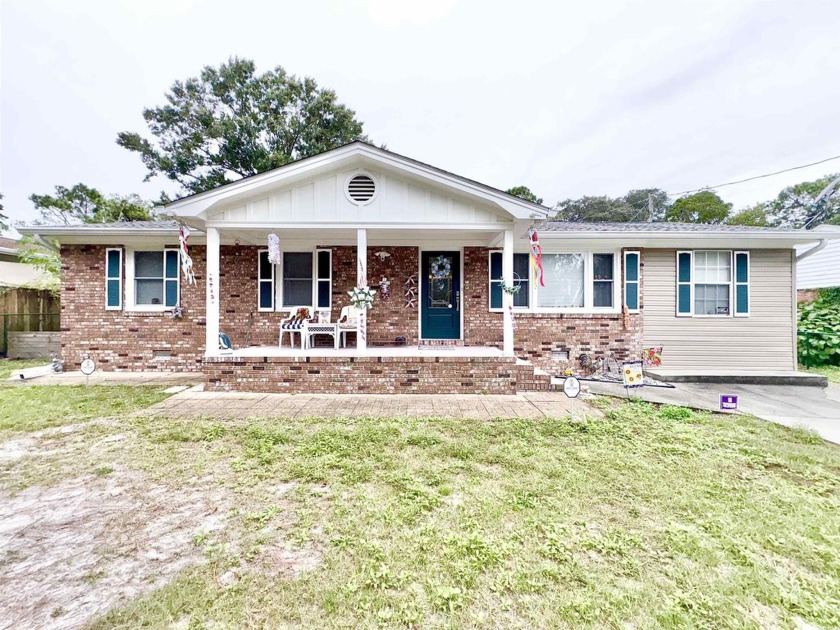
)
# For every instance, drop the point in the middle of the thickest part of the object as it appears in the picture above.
(536, 255)
(186, 261)
(274, 249)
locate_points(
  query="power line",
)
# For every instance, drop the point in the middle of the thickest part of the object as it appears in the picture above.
(749, 179)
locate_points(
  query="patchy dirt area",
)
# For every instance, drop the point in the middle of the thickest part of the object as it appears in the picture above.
(72, 551)
(73, 548)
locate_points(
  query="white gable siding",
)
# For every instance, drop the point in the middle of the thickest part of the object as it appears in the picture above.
(820, 270)
(762, 342)
(323, 200)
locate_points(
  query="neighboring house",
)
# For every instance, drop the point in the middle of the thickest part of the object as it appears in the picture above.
(714, 296)
(820, 270)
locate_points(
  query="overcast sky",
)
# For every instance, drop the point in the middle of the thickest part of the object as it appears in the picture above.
(568, 98)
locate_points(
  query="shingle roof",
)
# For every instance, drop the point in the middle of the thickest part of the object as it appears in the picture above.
(127, 225)
(568, 226)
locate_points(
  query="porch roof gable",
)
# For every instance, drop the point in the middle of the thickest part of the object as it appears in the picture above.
(359, 156)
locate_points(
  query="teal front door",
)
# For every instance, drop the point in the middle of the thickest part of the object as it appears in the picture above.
(440, 307)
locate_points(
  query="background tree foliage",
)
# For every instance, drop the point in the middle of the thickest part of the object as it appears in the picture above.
(755, 216)
(637, 205)
(231, 122)
(83, 204)
(702, 207)
(525, 193)
(3, 218)
(794, 206)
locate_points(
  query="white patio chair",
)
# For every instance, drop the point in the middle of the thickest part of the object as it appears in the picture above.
(347, 322)
(294, 324)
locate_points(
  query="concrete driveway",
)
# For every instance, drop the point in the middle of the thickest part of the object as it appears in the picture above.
(814, 408)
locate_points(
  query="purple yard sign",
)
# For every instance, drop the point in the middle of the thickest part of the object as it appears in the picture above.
(728, 403)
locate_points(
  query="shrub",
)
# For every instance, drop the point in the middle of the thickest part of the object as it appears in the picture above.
(818, 334)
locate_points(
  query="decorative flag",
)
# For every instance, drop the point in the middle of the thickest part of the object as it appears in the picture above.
(186, 261)
(274, 249)
(536, 255)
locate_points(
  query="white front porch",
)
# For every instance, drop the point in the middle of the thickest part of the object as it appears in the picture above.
(370, 351)
(366, 244)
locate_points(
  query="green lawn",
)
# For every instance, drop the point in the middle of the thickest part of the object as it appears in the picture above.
(830, 371)
(35, 407)
(649, 517)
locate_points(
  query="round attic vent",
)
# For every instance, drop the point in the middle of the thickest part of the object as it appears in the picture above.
(361, 189)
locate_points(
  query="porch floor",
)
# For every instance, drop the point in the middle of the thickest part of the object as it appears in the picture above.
(397, 352)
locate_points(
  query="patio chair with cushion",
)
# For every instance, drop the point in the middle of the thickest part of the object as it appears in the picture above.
(294, 324)
(347, 322)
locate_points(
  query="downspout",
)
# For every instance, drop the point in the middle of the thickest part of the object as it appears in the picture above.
(821, 246)
(40, 240)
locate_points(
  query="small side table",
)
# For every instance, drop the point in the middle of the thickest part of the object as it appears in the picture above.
(310, 329)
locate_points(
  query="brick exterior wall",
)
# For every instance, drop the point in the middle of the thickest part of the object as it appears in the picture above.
(121, 340)
(538, 335)
(352, 375)
(806, 296)
(389, 318)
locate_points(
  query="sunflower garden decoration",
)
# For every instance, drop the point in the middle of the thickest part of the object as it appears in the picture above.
(361, 297)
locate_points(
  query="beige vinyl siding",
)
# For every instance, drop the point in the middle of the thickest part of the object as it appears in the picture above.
(762, 341)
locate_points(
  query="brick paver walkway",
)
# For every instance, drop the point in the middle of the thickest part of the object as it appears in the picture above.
(195, 402)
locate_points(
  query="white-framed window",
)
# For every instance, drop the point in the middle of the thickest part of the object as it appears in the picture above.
(521, 279)
(297, 280)
(302, 279)
(113, 279)
(152, 279)
(579, 282)
(323, 278)
(712, 283)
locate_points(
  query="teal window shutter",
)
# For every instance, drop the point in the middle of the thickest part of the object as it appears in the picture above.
(265, 282)
(170, 277)
(685, 263)
(632, 262)
(742, 284)
(495, 277)
(113, 279)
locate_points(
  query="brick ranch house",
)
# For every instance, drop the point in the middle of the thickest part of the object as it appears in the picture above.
(712, 296)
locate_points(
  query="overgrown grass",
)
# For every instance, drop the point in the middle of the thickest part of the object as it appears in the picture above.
(649, 517)
(832, 372)
(34, 407)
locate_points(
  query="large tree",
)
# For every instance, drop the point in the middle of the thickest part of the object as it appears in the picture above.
(702, 207)
(230, 122)
(525, 193)
(795, 206)
(83, 204)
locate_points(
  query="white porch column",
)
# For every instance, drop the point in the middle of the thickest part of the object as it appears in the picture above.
(211, 339)
(361, 281)
(507, 298)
